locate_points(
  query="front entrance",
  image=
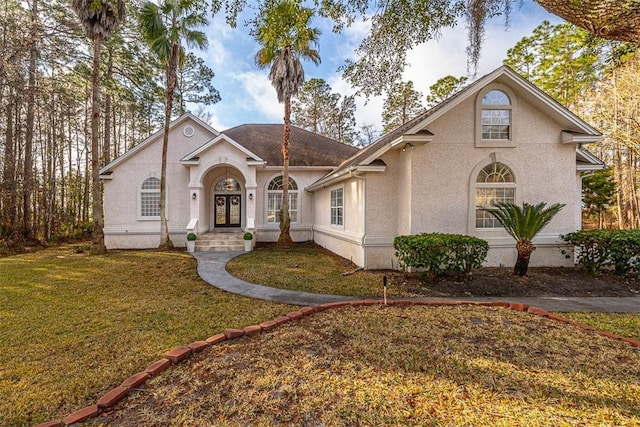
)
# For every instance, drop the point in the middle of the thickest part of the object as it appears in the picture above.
(227, 208)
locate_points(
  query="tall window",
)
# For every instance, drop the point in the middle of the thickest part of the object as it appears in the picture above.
(150, 198)
(495, 183)
(337, 207)
(274, 200)
(496, 116)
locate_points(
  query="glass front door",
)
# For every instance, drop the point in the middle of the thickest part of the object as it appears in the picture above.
(227, 210)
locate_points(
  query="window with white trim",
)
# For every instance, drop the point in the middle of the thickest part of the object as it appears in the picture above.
(495, 183)
(496, 116)
(274, 200)
(150, 198)
(337, 206)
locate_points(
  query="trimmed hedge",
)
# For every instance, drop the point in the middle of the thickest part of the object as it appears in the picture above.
(600, 250)
(439, 253)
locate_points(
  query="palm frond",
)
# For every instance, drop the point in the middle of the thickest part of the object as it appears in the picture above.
(284, 34)
(524, 223)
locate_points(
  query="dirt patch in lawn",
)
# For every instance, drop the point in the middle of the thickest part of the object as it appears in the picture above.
(500, 282)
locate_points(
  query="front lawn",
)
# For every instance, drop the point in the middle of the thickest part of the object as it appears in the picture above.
(399, 366)
(73, 326)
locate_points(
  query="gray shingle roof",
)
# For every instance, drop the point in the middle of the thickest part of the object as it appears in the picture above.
(306, 149)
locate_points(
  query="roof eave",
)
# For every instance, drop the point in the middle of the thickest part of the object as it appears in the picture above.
(345, 174)
(590, 167)
(569, 137)
(401, 141)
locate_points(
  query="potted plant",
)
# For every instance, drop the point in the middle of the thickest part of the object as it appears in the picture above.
(191, 242)
(248, 237)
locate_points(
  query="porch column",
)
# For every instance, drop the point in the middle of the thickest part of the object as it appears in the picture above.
(195, 201)
(250, 204)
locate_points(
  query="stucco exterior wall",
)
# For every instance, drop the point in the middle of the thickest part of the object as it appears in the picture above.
(124, 228)
(345, 240)
(440, 194)
(301, 231)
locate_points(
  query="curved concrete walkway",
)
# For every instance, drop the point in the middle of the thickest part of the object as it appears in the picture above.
(211, 268)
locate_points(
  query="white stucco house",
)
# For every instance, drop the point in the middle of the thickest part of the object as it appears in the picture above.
(499, 139)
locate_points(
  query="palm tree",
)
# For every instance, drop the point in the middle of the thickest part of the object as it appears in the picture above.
(99, 18)
(165, 27)
(284, 33)
(523, 224)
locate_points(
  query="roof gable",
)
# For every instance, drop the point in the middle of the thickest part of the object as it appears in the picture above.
(155, 137)
(222, 137)
(418, 125)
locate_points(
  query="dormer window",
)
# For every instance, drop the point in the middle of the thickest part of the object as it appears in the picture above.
(495, 118)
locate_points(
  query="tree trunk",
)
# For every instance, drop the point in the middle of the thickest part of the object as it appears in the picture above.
(524, 248)
(9, 173)
(165, 239)
(27, 230)
(97, 240)
(609, 19)
(284, 240)
(106, 144)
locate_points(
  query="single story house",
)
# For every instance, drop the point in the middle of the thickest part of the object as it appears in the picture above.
(499, 139)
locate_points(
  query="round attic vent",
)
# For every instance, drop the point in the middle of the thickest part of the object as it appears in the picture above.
(188, 131)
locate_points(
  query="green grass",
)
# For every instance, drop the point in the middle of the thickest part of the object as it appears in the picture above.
(74, 325)
(308, 268)
(624, 324)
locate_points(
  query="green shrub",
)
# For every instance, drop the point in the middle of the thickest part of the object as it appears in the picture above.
(600, 250)
(438, 253)
(191, 237)
(247, 236)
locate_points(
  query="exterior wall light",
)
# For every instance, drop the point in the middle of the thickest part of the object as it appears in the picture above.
(250, 196)
(194, 196)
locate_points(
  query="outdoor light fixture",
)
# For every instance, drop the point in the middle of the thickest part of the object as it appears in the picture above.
(405, 146)
(193, 196)
(250, 196)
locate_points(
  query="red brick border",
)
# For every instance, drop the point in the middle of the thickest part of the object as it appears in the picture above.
(182, 353)
(112, 397)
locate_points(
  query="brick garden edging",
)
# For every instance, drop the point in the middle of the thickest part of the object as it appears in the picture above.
(181, 353)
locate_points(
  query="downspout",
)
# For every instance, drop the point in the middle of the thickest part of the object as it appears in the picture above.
(313, 213)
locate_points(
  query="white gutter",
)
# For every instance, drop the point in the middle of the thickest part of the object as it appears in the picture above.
(347, 173)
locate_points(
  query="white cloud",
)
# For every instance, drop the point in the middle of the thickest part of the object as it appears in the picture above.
(255, 94)
(448, 56)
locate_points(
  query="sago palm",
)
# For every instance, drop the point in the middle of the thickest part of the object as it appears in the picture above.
(99, 18)
(284, 33)
(165, 27)
(523, 224)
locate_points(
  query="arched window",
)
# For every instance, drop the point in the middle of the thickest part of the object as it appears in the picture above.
(496, 116)
(150, 198)
(227, 184)
(274, 200)
(494, 183)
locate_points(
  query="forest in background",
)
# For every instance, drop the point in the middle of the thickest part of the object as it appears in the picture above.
(45, 112)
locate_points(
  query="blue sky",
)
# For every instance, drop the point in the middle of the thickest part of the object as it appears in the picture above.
(248, 97)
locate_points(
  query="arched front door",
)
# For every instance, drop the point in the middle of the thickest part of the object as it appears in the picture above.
(227, 203)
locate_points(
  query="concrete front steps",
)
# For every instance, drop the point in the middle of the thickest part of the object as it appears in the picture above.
(230, 240)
